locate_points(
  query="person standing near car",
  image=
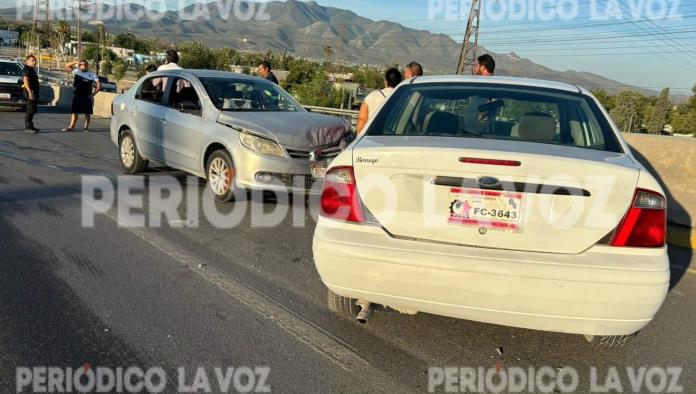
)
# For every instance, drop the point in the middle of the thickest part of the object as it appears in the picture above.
(375, 99)
(83, 92)
(412, 70)
(266, 73)
(31, 93)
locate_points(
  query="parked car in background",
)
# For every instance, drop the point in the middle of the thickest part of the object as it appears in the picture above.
(11, 94)
(501, 200)
(238, 131)
(107, 86)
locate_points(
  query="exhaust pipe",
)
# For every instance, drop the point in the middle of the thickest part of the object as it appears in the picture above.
(366, 310)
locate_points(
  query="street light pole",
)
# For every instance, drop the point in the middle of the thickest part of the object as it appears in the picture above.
(79, 30)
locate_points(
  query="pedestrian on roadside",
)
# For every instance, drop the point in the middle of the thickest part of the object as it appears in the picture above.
(171, 61)
(485, 66)
(84, 90)
(265, 72)
(30, 87)
(375, 99)
(413, 69)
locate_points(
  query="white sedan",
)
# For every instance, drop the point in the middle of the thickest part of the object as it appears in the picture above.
(500, 200)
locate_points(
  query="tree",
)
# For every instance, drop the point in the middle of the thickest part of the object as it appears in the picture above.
(130, 41)
(223, 58)
(660, 112)
(605, 99)
(328, 53)
(628, 111)
(369, 78)
(64, 33)
(119, 70)
(684, 118)
(196, 55)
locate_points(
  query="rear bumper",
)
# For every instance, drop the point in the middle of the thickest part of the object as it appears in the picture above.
(603, 291)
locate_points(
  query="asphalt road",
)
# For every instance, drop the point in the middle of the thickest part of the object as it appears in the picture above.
(185, 295)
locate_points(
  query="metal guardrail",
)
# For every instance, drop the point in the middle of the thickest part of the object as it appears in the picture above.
(344, 113)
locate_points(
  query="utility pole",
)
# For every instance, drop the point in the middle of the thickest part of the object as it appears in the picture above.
(79, 29)
(467, 58)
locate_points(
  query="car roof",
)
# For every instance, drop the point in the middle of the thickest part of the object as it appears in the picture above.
(205, 74)
(474, 79)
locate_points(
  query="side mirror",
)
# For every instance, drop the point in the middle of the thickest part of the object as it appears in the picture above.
(189, 107)
(308, 109)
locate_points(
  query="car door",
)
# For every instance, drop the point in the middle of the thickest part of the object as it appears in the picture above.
(149, 108)
(183, 127)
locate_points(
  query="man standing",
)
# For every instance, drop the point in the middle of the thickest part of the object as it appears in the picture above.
(83, 92)
(266, 73)
(413, 69)
(31, 93)
(485, 66)
(171, 63)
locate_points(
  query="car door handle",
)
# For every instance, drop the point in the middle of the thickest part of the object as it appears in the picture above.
(164, 122)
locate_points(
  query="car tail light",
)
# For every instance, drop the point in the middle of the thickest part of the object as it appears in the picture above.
(645, 223)
(339, 196)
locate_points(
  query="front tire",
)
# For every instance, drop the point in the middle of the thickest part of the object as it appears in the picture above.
(131, 161)
(220, 173)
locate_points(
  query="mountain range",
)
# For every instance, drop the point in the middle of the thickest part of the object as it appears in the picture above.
(307, 28)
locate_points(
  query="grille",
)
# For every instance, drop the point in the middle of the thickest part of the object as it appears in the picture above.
(328, 152)
(10, 87)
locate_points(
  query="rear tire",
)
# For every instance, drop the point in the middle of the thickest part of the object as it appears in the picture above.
(610, 341)
(220, 173)
(131, 161)
(342, 305)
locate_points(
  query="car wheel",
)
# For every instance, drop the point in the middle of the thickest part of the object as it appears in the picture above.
(342, 305)
(220, 173)
(131, 160)
(610, 341)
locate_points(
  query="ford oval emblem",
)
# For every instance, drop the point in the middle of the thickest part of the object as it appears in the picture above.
(488, 181)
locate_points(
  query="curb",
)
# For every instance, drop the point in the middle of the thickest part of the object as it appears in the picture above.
(684, 237)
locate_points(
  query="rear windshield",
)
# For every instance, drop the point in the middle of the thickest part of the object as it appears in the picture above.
(495, 112)
(10, 69)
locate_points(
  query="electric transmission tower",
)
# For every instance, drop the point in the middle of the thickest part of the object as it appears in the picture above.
(42, 23)
(467, 58)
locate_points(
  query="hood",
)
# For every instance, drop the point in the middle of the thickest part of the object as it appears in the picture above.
(10, 79)
(299, 130)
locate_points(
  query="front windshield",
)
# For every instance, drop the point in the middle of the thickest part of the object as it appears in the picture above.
(10, 69)
(229, 94)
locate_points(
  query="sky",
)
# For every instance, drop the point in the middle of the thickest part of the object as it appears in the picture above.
(644, 43)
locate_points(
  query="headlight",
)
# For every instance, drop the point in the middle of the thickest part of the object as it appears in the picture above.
(261, 145)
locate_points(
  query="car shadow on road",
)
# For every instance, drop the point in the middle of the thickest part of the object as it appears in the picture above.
(679, 258)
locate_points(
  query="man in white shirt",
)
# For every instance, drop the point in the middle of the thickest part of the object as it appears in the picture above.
(170, 64)
(375, 99)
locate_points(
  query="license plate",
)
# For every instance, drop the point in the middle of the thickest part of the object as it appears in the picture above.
(5, 96)
(318, 170)
(496, 210)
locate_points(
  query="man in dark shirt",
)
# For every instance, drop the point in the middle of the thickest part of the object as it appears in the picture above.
(31, 93)
(266, 73)
(85, 86)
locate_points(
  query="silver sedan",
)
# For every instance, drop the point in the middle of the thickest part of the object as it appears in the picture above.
(238, 131)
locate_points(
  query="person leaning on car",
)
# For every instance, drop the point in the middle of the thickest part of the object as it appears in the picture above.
(31, 93)
(373, 100)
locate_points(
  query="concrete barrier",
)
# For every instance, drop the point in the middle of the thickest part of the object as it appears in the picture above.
(102, 104)
(673, 161)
